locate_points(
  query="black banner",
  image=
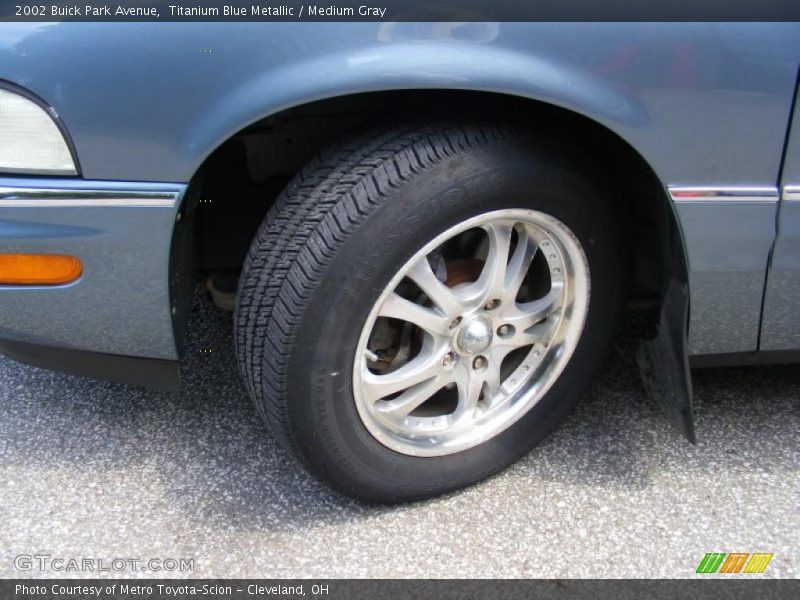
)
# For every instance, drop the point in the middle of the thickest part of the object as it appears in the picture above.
(732, 588)
(400, 10)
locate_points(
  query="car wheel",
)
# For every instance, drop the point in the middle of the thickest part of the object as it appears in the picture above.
(450, 292)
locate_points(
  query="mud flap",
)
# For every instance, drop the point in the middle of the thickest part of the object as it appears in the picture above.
(664, 363)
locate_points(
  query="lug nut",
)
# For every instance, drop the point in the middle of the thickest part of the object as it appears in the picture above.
(455, 323)
(448, 360)
(505, 331)
(480, 363)
(492, 304)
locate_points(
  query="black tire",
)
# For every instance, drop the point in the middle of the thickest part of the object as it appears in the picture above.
(297, 212)
(337, 236)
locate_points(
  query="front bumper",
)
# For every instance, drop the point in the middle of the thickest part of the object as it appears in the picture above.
(122, 233)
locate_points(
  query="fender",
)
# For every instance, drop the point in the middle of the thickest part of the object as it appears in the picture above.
(422, 65)
(148, 102)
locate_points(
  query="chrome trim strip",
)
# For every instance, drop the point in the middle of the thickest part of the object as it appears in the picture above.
(791, 192)
(728, 194)
(38, 197)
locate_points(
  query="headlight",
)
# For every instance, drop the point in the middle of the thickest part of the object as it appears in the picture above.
(30, 140)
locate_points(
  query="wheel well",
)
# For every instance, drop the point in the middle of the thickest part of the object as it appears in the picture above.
(241, 179)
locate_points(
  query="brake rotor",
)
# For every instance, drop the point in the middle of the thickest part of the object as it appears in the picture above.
(463, 270)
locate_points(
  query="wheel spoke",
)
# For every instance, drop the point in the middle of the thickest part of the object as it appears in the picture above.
(539, 333)
(491, 377)
(498, 352)
(492, 279)
(523, 316)
(422, 274)
(397, 307)
(422, 368)
(470, 387)
(412, 398)
(519, 264)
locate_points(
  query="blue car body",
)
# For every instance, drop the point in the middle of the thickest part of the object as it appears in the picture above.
(708, 106)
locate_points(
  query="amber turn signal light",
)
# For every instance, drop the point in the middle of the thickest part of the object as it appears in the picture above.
(38, 269)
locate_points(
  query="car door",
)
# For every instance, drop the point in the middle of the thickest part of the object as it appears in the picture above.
(780, 329)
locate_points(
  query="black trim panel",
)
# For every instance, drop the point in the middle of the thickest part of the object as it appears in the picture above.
(663, 362)
(151, 373)
(745, 359)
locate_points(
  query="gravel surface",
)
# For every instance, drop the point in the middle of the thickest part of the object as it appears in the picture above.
(99, 470)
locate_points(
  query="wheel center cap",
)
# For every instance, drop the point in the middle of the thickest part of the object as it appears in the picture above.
(474, 336)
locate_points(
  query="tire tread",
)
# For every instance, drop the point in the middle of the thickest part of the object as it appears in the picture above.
(303, 230)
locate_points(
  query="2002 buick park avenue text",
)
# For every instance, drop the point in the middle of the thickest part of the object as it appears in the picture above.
(62, 11)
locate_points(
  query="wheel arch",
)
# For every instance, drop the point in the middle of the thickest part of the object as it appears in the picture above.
(634, 176)
(589, 99)
(413, 66)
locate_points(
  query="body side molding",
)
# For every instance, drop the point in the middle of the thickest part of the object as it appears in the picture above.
(17, 197)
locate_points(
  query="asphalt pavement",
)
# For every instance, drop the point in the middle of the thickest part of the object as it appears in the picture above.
(103, 471)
